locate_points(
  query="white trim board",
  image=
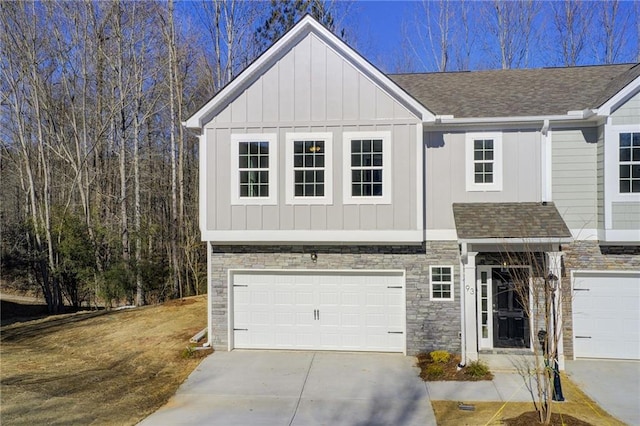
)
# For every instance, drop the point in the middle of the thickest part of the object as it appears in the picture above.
(311, 237)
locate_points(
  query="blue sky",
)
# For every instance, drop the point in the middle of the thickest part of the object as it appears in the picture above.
(379, 33)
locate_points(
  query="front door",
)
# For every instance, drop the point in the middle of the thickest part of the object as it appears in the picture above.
(510, 297)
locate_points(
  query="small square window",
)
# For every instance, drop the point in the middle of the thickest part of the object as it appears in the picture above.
(441, 282)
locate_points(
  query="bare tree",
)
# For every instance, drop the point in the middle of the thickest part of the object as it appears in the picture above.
(512, 26)
(612, 35)
(572, 20)
(534, 274)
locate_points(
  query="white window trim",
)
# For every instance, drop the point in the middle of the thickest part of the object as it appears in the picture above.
(612, 152)
(327, 137)
(387, 184)
(451, 285)
(471, 185)
(272, 139)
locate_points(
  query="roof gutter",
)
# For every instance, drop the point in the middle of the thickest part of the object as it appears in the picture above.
(540, 240)
(570, 116)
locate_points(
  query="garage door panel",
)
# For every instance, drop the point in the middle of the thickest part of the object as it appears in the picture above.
(339, 311)
(606, 316)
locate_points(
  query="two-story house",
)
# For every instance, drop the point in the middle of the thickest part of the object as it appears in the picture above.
(346, 209)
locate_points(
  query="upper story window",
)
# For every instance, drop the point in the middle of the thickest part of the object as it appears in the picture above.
(367, 168)
(629, 156)
(254, 169)
(441, 282)
(483, 152)
(309, 168)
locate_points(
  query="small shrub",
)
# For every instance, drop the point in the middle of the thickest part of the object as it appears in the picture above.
(477, 369)
(440, 357)
(434, 371)
(188, 352)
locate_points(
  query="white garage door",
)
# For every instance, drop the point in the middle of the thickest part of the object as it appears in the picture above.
(319, 311)
(606, 316)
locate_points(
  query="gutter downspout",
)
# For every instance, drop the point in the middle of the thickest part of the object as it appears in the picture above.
(208, 343)
(463, 318)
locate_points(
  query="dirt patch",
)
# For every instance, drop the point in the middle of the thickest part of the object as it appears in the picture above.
(97, 368)
(431, 370)
(577, 406)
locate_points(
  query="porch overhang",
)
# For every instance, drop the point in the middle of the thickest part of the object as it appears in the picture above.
(519, 226)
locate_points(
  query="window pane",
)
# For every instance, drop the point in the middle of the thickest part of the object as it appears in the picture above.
(356, 160)
(625, 171)
(635, 171)
(355, 146)
(299, 190)
(488, 144)
(478, 155)
(635, 186)
(244, 162)
(377, 145)
(298, 147)
(625, 140)
(488, 155)
(243, 147)
(488, 179)
(308, 190)
(625, 186)
(367, 160)
(320, 190)
(320, 176)
(366, 146)
(625, 154)
(308, 176)
(635, 154)
(377, 189)
(356, 176)
(320, 160)
(356, 190)
(264, 162)
(298, 160)
(478, 145)
(244, 177)
(377, 176)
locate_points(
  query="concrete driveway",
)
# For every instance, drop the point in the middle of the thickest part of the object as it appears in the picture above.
(614, 385)
(300, 388)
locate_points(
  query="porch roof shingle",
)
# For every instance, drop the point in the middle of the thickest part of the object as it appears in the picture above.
(508, 221)
(517, 92)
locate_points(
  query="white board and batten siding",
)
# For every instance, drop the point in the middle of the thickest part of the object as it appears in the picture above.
(606, 314)
(317, 310)
(309, 89)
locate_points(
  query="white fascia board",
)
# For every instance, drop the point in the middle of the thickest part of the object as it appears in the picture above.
(309, 237)
(620, 236)
(506, 241)
(306, 26)
(441, 235)
(570, 116)
(619, 98)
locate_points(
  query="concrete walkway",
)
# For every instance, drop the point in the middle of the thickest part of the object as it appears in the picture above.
(614, 385)
(300, 388)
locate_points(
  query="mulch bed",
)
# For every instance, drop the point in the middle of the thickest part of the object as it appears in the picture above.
(531, 418)
(446, 371)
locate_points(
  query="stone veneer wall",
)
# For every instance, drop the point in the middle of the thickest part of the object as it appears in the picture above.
(590, 256)
(430, 324)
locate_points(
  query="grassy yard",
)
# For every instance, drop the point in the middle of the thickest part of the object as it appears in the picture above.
(118, 367)
(97, 368)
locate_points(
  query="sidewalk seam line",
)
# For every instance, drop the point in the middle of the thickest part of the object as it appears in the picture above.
(295, 411)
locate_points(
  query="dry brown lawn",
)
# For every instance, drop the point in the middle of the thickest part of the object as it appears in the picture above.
(576, 404)
(97, 368)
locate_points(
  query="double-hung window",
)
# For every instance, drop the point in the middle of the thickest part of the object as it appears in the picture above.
(309, 168)
(441, 282)
(483, 152)
(254, 164)
(629, 158)
(367, 168)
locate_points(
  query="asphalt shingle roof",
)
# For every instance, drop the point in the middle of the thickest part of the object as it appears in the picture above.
(517, 92)
(508, 220)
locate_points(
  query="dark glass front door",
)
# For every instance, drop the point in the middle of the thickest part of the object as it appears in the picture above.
(510, 321)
